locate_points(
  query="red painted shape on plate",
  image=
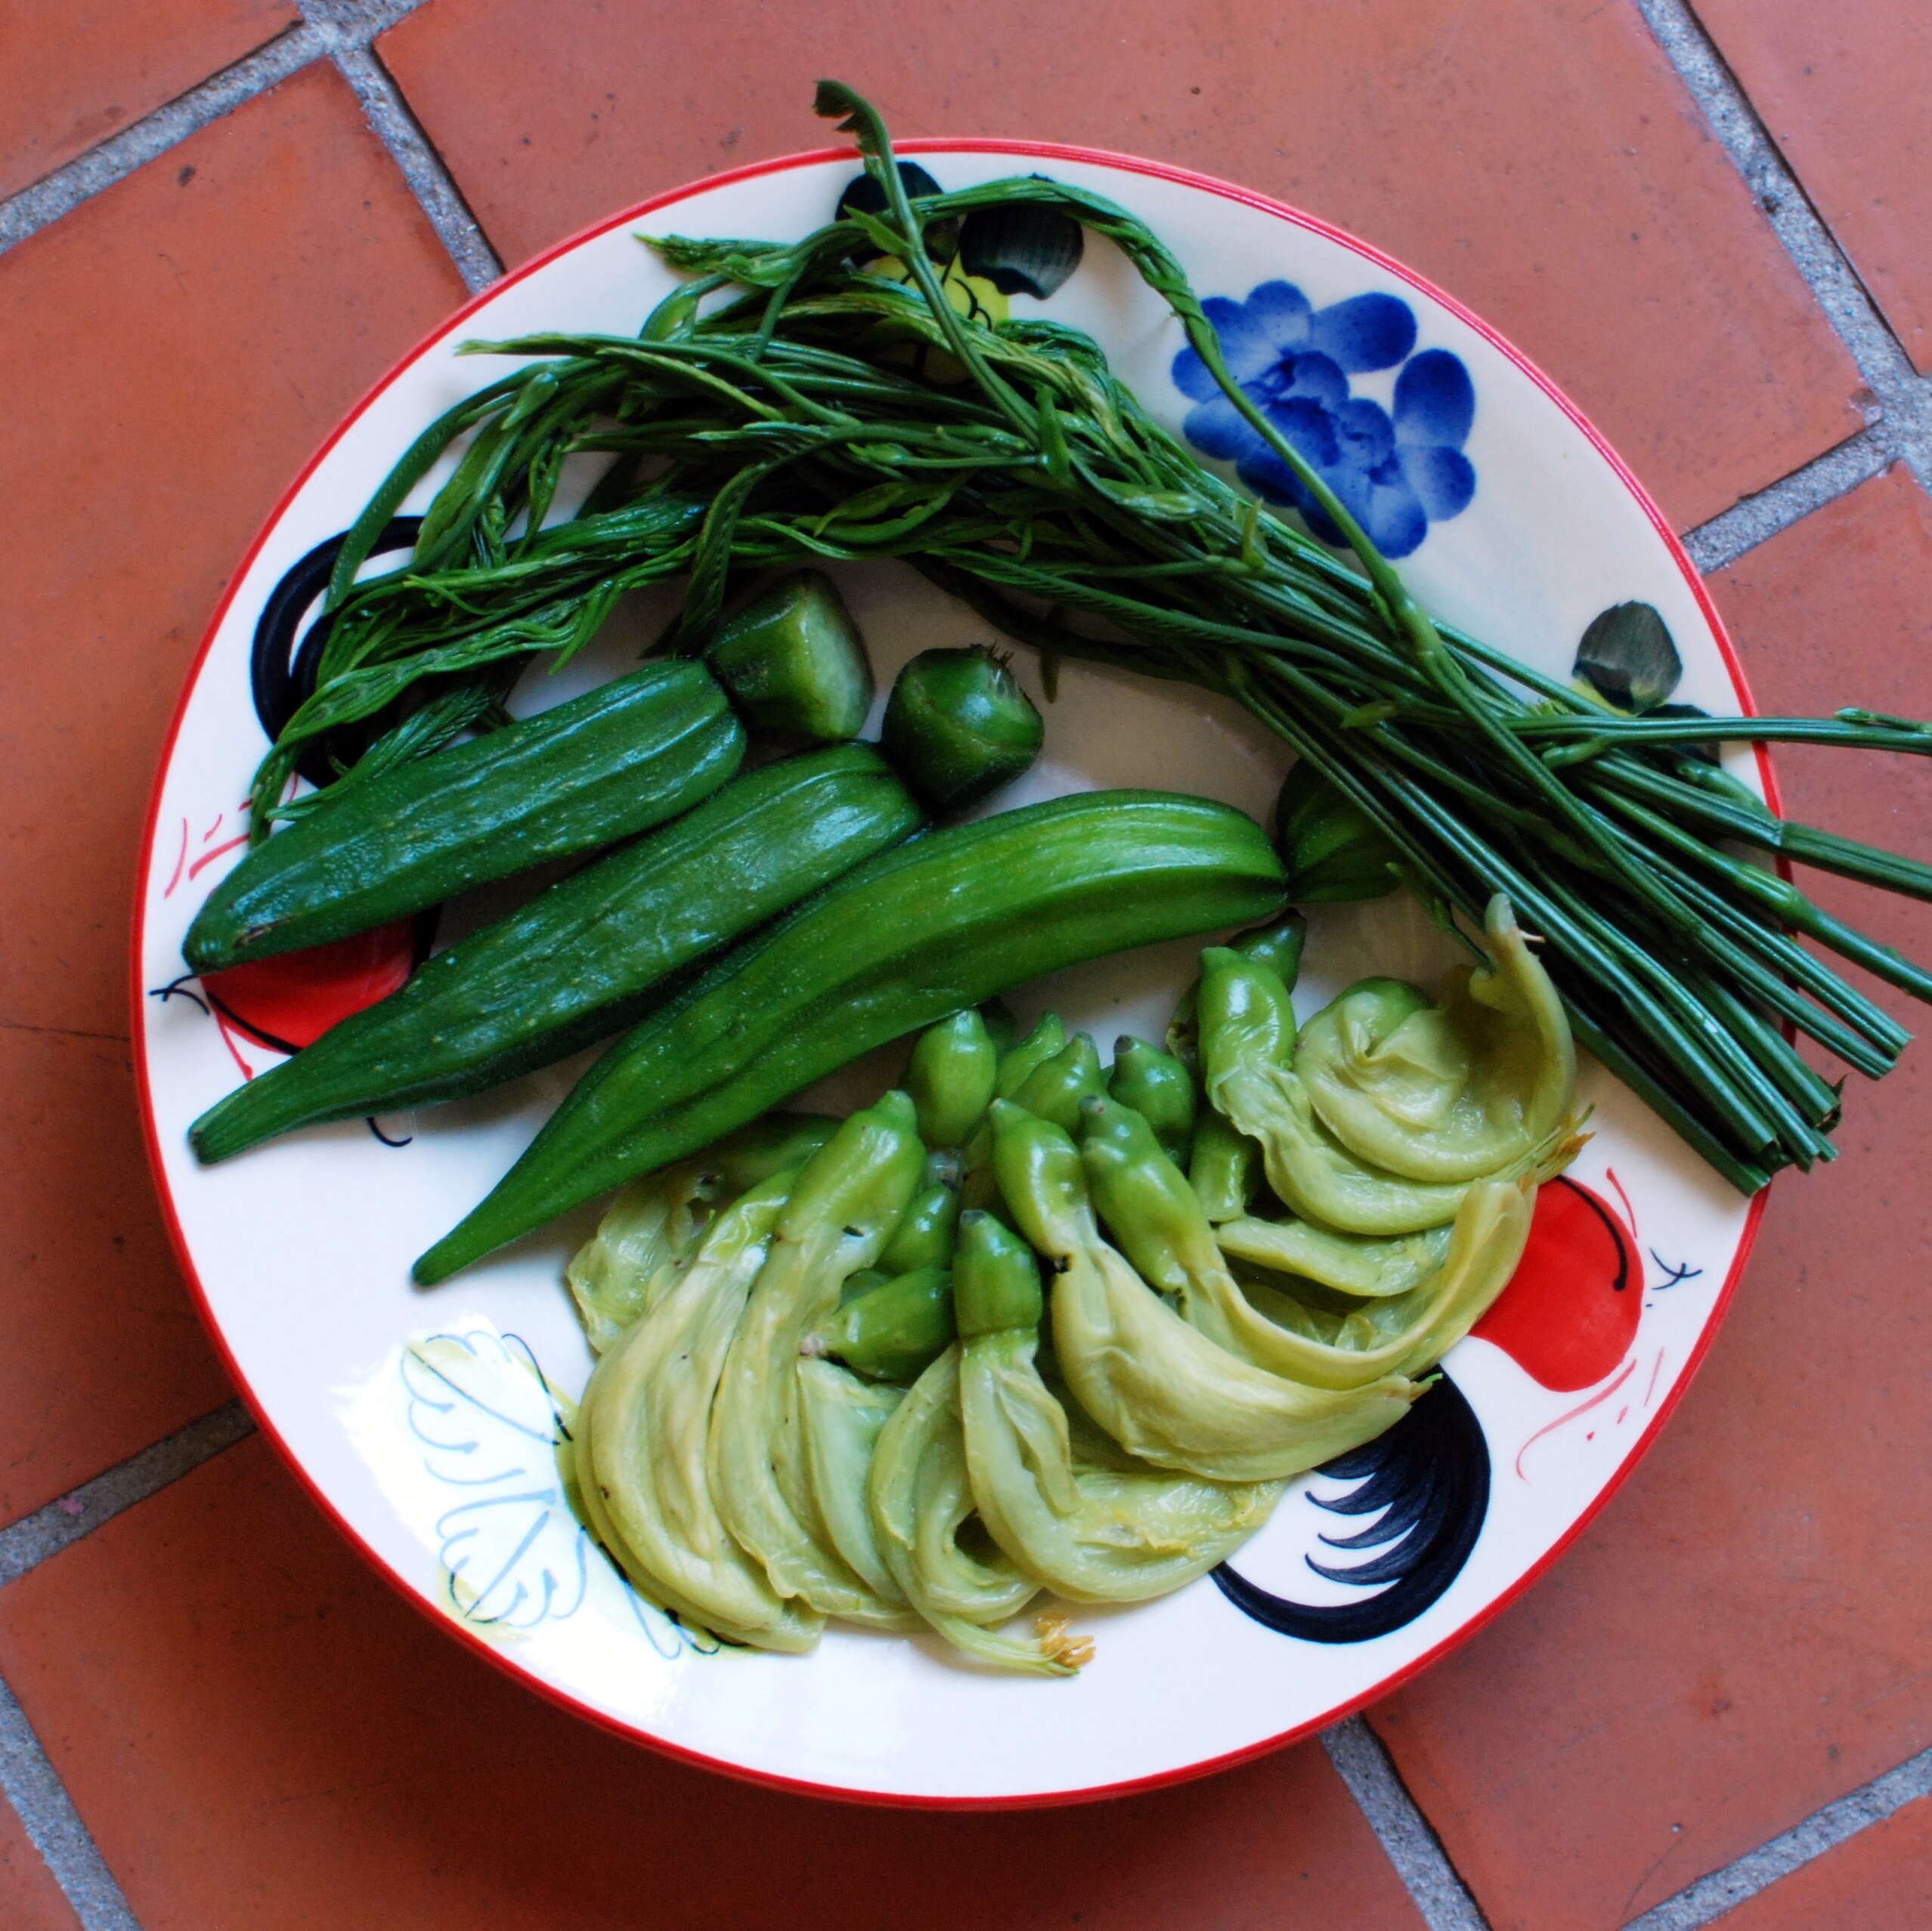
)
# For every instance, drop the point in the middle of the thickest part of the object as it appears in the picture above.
(289, 1001)
(1571, 1414)
(1570, 1312)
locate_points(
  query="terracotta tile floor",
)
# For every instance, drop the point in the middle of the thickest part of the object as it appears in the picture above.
(30, 1898)
(1567, 192)
(195, 330)
(1880, 1880)
(254, 1732)
(1843, 94)
(78, 73)
(1740, 1637)
(356, 1739)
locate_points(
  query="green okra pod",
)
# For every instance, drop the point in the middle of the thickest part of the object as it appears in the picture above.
(940, 924)
(584, 959)
(1334, 852)
(606, 766)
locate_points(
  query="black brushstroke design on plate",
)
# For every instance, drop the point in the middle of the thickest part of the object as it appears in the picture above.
(1430, 1473)
(282, 669)
(1628, 658)
(1023, 250)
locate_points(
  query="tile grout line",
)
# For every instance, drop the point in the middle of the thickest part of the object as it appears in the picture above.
(26, 1544)
(1899, 416)
(54, 1826)
(436, 192)
(44, 201)
(1753, 519)
(1710, 1897)
(1399, 1827)
(31, 1784)
(342, 31)
(349, 27)
(339, 30)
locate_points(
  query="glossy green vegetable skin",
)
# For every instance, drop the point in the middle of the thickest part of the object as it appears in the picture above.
(849, 1198)
(1159, 1088)
(606, 766)
(1277, 946)
(1162, 1389)
(940, 924)
(1090, 1535)
(794, 663)
(649, 1232)
(643, 1433)
(892, 1331)
(1055, 1088)
(1334, 853)
(958, 727)
(951, 1077)
(580, 960)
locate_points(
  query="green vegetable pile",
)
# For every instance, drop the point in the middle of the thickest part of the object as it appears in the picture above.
(823, 398)
(833, 1382)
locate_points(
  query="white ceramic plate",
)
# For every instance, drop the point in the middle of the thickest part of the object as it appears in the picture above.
(424, 1422)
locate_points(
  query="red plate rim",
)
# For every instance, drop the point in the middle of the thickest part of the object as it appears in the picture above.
(929, 144)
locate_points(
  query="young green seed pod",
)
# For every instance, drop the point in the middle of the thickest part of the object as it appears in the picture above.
(1053, 1090)
(892, 1331)
(951, 1077)
(1334, 851)
(995, 1281)
(1158, 1088)
(1245, 1012)
(923, 1238)
(1018, 1061)
(958, 727)
(794, 664)
(1141, 1195)
(1223, 1169)
(1277, 946)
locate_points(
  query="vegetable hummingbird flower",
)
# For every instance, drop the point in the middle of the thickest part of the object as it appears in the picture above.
(1396, 471)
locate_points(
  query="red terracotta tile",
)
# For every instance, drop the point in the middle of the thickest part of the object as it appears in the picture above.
(104, 1352)
(192, 333)
(1540, 160)
(260, 1734)
(1842, 90)
(82, 71)
(1879, 1880)
(1741, 1637)
(30, 1900)
(180, 343)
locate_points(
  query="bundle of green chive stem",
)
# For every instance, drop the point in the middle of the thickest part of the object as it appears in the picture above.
(790, 403)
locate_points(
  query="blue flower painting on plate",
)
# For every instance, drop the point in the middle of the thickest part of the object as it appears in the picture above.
(1395, 470)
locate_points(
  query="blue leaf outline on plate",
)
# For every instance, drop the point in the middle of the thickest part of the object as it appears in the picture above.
(1395, 470)
(515, 1553)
